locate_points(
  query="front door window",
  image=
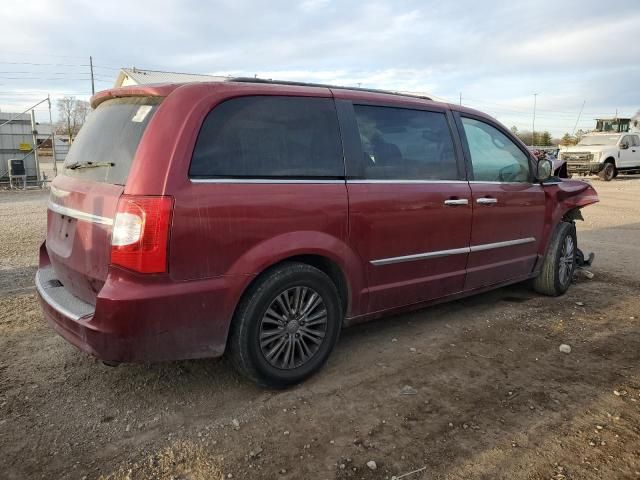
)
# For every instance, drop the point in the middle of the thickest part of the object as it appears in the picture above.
(495, 158)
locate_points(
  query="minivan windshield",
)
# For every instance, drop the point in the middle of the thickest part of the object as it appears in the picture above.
(106, 144)
(599, 140)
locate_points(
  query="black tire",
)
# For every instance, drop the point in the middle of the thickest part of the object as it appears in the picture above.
(608, 172)
(252, 326)
(553, 280)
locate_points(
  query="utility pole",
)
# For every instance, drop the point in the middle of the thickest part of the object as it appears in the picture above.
(34, 132)
(53, 140)
(533, 125)
(460, 98)
(93, 86)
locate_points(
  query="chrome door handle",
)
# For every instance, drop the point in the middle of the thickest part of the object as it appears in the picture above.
(487, 201)
(457, 201)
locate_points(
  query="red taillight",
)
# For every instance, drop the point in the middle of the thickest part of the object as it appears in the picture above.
(140, 236)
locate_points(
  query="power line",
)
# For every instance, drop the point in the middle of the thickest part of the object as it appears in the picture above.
(35, 64)
(47, 79)
(46, 64)
(37, 93)
(35, 54)
(539, 113)
(523, 110)
(107, 68)
(31, 72)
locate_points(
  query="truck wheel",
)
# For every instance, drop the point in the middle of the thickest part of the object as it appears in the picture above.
(286, 325)
(559, 262)
(608, 173)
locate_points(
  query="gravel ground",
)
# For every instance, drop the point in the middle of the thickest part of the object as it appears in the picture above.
(472, 389)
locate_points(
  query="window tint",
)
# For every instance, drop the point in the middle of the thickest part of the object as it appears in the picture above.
(631, 140)
(109, 138)
(262, 137)
(403, 144)
(495, 158)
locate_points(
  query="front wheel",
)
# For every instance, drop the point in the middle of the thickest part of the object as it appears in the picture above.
(286, 325)
(559, 262)
(608, 172)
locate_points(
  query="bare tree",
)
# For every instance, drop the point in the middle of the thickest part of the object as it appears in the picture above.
(73, 114)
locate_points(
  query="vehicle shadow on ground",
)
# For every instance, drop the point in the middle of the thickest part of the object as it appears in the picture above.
(198, 378)
(508, 394)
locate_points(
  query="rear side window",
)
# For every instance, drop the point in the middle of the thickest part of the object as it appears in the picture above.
(106, 144)
(269, 137)
(403, 144)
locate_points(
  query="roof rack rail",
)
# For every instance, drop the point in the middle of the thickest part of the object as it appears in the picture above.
(322, 85)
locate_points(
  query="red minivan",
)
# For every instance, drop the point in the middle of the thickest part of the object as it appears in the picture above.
(258, 218)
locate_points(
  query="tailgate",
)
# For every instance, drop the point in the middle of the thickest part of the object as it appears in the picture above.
(84, 197)
(79, 220)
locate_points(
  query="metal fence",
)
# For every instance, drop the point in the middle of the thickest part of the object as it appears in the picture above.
(20, 139)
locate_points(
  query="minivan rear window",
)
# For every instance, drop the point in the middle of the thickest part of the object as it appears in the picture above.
(269, 137)
(106, 144)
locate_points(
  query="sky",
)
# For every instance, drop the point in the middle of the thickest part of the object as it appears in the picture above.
(495, 55)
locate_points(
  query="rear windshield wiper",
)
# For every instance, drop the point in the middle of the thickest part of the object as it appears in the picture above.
(77, 165)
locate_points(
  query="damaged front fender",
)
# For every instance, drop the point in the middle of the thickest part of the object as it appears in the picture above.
(564, 199)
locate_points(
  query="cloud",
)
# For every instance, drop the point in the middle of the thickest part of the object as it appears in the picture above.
(496, 53)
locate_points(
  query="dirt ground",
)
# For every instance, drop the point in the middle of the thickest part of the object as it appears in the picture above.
(494, 396)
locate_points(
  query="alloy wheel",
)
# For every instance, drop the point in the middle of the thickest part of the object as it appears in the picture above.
(293, 327)
(567, 257)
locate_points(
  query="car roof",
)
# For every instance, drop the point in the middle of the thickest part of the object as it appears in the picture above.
(283, 87)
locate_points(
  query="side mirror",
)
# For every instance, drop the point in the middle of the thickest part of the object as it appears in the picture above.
(624, 146)
(544, 170)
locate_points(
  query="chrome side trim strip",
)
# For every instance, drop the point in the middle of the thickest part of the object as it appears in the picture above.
(50, 301)
(406, 181)
(509, 243)
(79, 215)
(285, 180)
(454, 251)
(263, 180)
(365, 181)
(477, 182)
(420, 256)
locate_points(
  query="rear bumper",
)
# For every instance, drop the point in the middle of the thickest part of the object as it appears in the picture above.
(140, 319)
(584, 168)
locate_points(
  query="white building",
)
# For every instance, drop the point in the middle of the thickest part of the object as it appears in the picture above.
(136, 76)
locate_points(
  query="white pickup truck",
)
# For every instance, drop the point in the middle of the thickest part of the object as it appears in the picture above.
(605, 154)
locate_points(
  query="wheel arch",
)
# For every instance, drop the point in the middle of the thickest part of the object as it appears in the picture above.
(320, 250)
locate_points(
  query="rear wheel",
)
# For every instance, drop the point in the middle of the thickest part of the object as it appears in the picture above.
(608, 172)
(286, 325)
(559, 262)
